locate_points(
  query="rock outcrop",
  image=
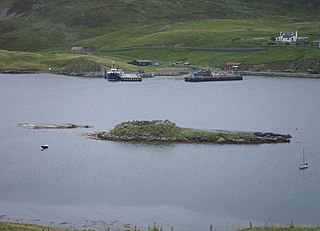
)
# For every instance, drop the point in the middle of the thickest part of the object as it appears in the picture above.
(159, 131)
(52, 126)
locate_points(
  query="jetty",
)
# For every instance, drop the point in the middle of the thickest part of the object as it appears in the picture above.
(146, 74)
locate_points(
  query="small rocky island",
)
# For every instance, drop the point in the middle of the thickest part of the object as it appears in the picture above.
(165, 131)
(52, 126)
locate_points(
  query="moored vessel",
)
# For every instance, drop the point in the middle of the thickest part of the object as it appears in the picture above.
(205, 76)
(114, 74)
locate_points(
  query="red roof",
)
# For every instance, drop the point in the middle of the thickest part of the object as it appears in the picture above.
(232, 63)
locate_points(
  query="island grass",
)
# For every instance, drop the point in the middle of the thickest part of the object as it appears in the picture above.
(158, 130)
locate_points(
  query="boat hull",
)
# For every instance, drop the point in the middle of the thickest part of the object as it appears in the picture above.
(303, 166)
(208, 79)
(113, 76)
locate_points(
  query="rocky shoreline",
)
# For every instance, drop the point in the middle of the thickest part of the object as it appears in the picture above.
(158, 131)
(95, 74)
(19, 71)
(280, 74)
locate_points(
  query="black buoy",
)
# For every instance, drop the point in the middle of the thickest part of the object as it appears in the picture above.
(45, 146)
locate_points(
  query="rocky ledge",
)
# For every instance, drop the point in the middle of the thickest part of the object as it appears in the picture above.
(165, 131)
(52, 126)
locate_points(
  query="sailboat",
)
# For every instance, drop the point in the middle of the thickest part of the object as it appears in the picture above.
(304, 165)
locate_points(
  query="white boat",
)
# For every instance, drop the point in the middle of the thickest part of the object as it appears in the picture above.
(114, 74)
(304, 165)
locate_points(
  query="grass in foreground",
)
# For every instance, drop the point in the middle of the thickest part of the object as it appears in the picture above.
(283, 229)
(6, 226)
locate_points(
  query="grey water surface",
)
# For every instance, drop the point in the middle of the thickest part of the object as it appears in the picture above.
(79, 182)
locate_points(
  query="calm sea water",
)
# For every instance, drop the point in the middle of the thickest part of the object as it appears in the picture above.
(80, 182)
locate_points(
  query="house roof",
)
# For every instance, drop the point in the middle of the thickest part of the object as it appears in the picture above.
(288, 34)
(142, 61)
(232, 63)
(77, 48)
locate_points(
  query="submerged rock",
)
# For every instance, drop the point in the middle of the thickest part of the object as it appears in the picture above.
(52, 126)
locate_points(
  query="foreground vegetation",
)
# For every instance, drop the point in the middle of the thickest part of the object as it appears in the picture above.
(4, 226)
(293, 228)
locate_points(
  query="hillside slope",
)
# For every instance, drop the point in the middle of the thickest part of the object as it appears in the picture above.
(41, 24)
(110, 27)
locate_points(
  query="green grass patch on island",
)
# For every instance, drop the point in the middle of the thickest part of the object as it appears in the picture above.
(167, 131)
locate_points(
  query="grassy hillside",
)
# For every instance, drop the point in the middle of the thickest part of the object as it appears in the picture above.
(5, 226)
(161, 30)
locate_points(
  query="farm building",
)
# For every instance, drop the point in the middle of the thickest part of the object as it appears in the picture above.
(287, 37)
(303, 40)
(80, 50)
(316, 42)
(139, 62)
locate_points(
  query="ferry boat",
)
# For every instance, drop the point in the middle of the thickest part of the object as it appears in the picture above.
(114, 74)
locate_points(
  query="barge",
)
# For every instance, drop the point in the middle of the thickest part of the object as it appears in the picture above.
(208, 76)
(131, 77)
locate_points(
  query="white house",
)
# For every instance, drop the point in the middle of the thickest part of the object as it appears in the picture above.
(287, 37)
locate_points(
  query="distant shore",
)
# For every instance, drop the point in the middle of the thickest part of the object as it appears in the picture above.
(280, 74)
(168, 73)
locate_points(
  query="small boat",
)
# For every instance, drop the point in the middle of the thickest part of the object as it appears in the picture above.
(45, 146)
(114, 74)
(304, 165)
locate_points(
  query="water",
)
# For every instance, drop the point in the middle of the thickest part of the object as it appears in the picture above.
(80, 182)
